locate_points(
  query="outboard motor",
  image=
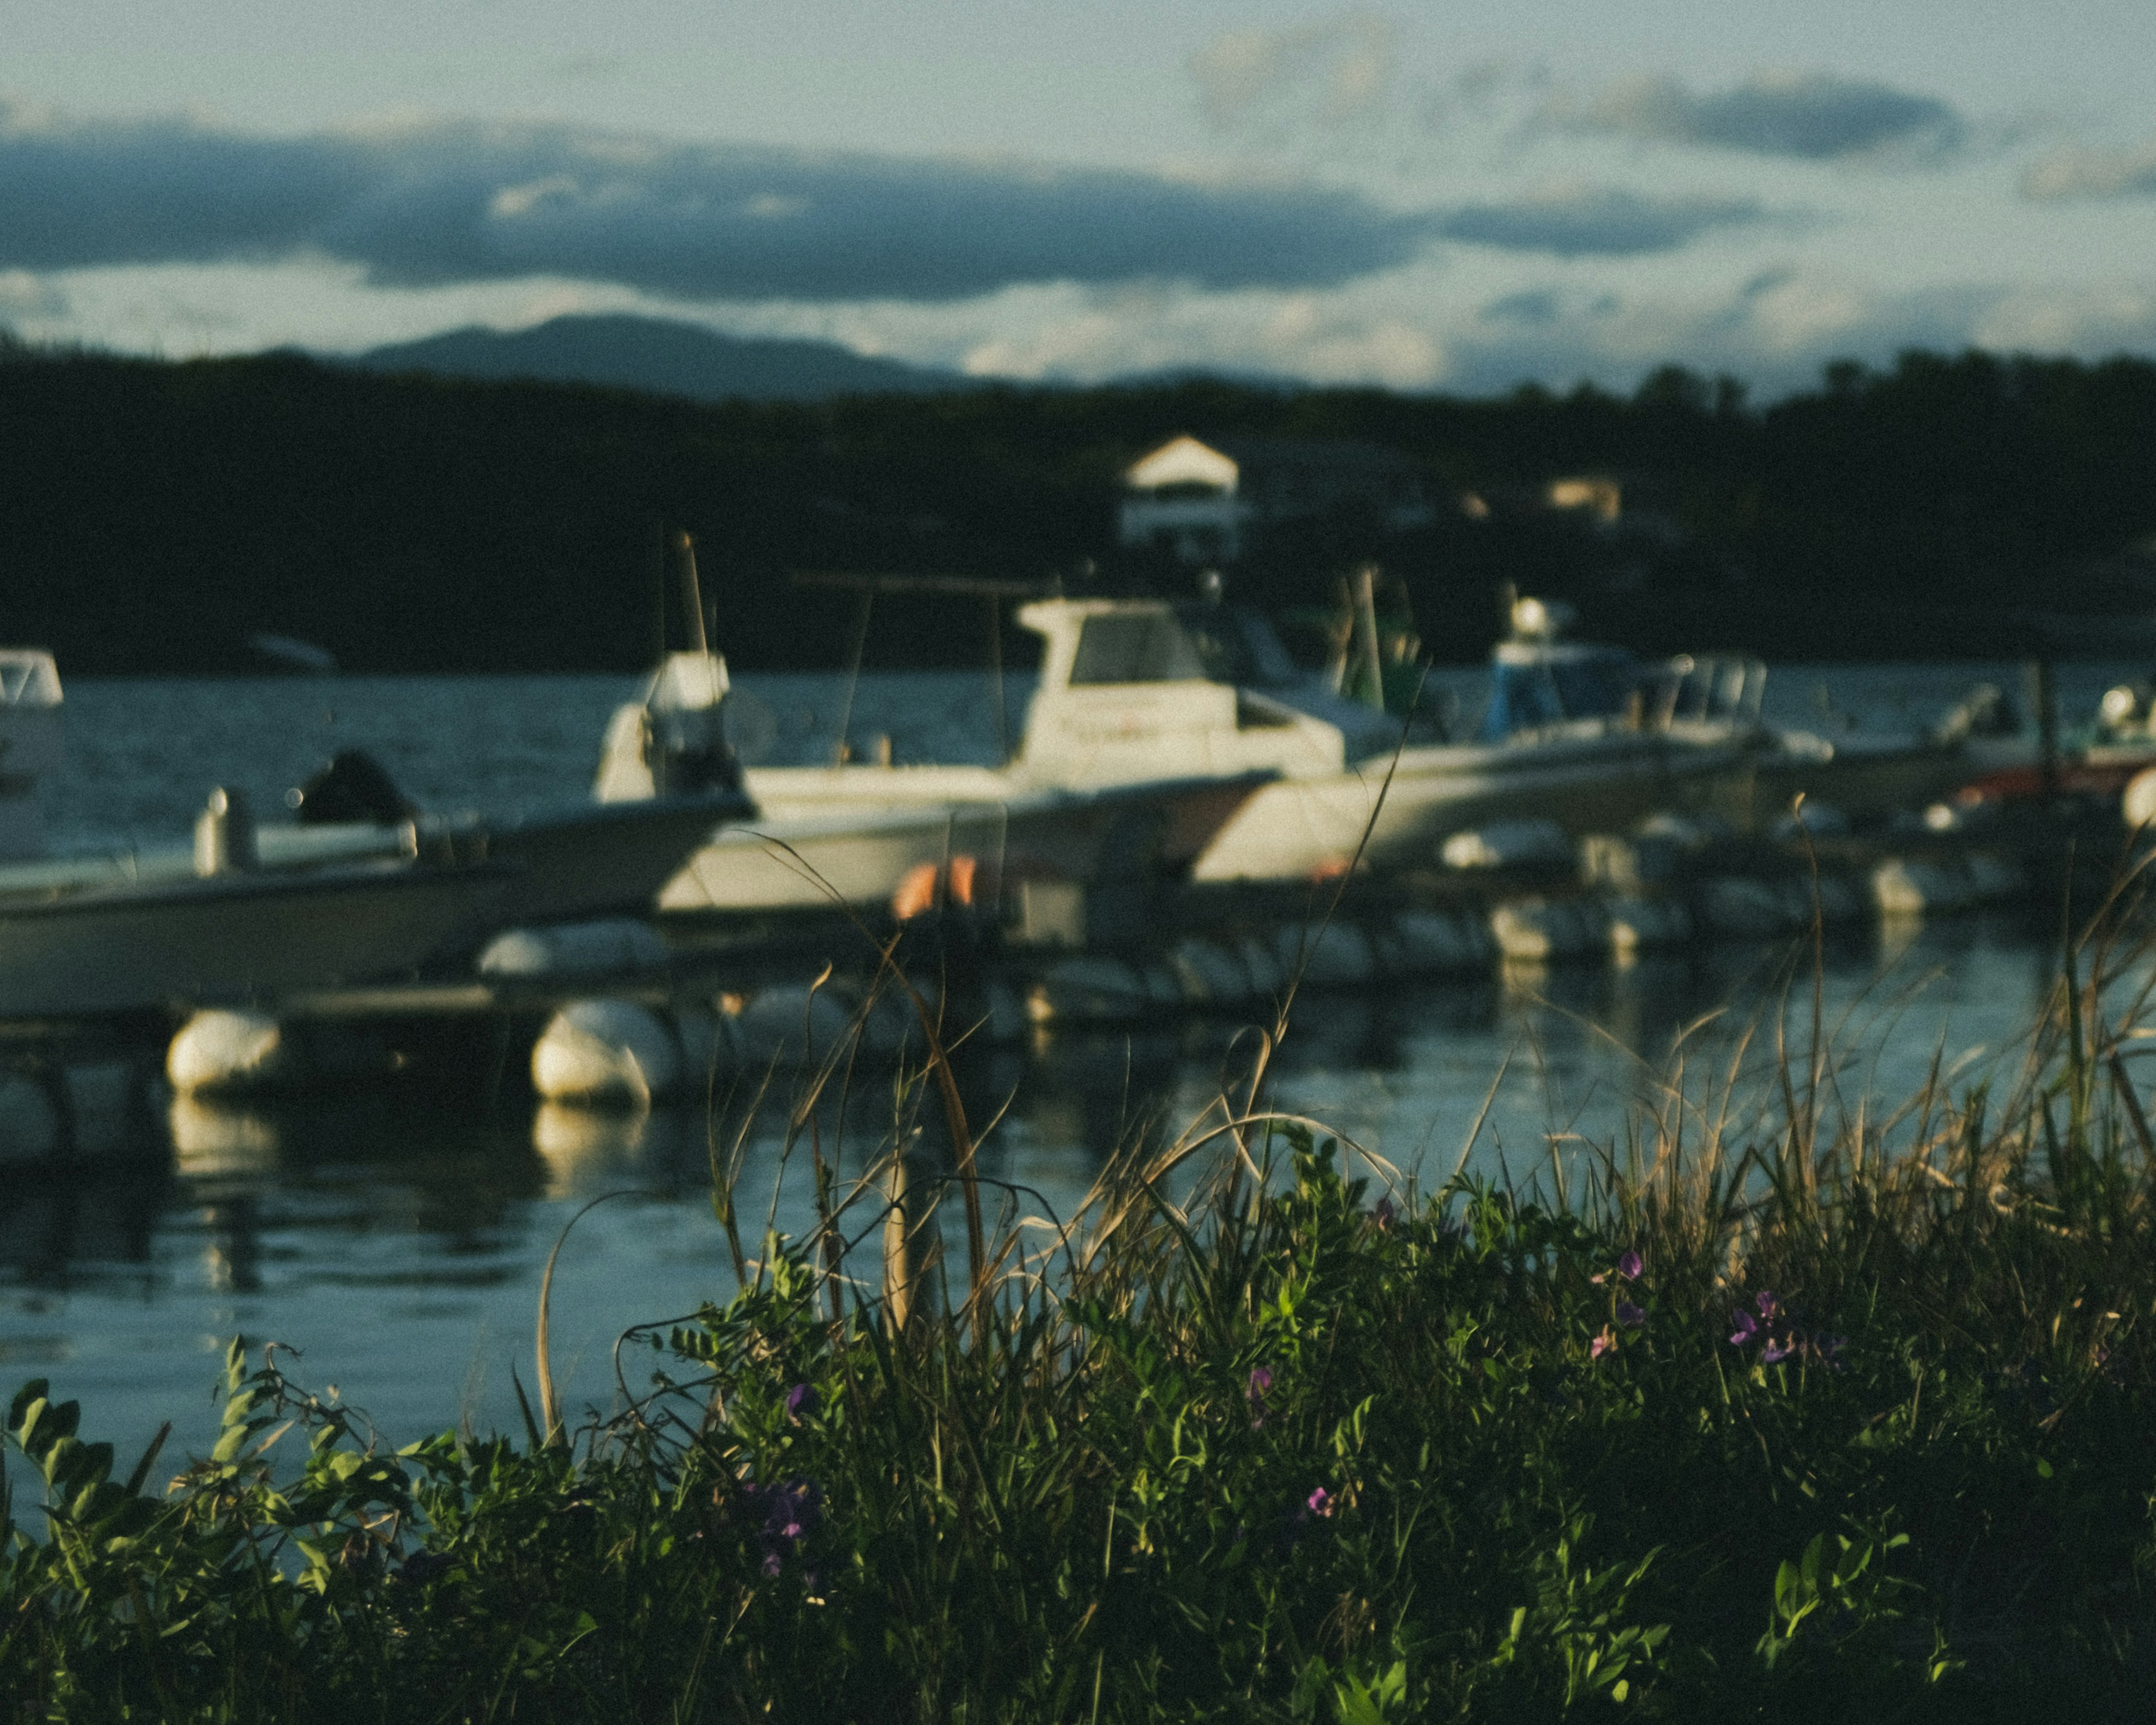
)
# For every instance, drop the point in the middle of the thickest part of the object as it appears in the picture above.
(354, 788)
(673, 742)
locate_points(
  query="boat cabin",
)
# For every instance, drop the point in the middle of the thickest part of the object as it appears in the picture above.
(1126, 693)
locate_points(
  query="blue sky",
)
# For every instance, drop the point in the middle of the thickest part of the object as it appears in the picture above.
(1452, 197)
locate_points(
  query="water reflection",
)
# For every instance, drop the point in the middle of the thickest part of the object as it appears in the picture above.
(398, 1234)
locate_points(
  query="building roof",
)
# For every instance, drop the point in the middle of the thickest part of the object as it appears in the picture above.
(1182, 461)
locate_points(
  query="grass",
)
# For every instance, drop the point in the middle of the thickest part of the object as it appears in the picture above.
(1790, 1404)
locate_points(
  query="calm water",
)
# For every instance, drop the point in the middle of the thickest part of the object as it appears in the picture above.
(398, 1238)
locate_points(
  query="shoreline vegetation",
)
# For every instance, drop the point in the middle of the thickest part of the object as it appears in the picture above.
(162, 515)
(1792, 1399)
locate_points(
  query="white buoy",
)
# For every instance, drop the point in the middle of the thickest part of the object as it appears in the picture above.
(220, 1053)
(1507, 845)
(606, 947)
(606, 1052)
(2139, 805)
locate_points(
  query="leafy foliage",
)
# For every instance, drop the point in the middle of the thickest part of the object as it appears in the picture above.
(1770, 1421)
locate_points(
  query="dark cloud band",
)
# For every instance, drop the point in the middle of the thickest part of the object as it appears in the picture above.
(461, 202)
(1811, 115)
(1606, 224)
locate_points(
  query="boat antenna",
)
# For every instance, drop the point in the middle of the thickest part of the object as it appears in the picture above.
(658, 590)
(692, 598)
(854, 670)
(1372, 685)
(996, 677)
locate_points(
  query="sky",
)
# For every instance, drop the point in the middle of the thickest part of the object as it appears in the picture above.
(1451, 197)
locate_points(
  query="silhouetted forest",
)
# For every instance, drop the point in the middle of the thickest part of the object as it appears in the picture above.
(154, 516)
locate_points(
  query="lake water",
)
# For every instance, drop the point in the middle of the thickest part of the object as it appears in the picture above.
(397, 1238)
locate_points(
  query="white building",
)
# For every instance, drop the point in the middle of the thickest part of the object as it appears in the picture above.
(1201, 502)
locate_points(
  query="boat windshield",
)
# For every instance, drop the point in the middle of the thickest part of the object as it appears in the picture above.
(1532, 685)
(1237, 646)
(1134, 647)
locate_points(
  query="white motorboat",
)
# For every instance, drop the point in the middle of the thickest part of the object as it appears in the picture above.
(374, 893)
(238, 938)
(855, 833)
(1150, 745)
(1573, 734)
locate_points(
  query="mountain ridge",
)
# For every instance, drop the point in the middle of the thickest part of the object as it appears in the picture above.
(662, 356)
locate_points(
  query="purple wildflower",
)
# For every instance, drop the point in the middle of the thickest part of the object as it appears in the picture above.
(1319, 1503)
(1606, 1343)
(1631, 1267)
(1770, 1308)
(1260, 1381)
(1778, 1349)
(787, 1514)
(1384, 1214)
(801, 1401)
(1747, 1330)
(1630, 1316)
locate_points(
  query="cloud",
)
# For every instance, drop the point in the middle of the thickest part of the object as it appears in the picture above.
(1332, 73)
(434, 203)
(25, 296)
(2093, 173)
(1579, 222)
(1813, 117)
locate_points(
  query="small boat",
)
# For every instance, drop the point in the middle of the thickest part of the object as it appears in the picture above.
(362, 887)
(1866, 777)
(238, 938)
(251, 914)
(856, 833)
(1579, 735)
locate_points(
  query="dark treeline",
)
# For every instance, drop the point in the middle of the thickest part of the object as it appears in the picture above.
(154, 516)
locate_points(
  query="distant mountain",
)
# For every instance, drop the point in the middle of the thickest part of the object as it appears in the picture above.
(659, 355)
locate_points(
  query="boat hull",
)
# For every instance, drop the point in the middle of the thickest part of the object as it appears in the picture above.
(1867, 780)
(857, 854)
(608, 858)
(234, 939)
(1296, 829)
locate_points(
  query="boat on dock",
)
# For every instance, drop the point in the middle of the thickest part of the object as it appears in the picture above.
(864, 834)
(360, 887)
(1163, 740)
(1581, 736)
